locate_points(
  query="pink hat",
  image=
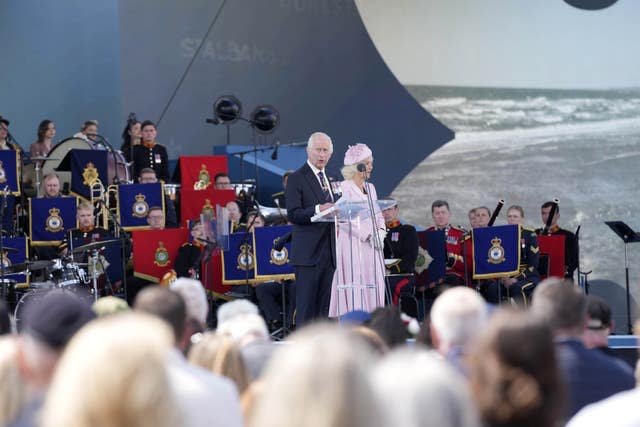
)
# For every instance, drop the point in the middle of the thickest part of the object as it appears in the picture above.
(356, 154)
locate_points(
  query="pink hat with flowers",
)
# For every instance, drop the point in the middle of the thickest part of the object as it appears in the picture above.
(356, 154)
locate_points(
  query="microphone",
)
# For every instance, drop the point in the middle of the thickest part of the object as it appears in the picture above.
(282, 241)
(274, 155)
(207, 241)
(361, 167)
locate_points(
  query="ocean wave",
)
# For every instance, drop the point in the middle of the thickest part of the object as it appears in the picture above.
(444, 102)
(468, 141)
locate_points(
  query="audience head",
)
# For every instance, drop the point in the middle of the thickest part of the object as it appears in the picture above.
(195, 299)
(599, 323)
(51, 185)
(355, 155)
(222, 181)
(392, 213)
(472, 218)
(48, 325)
(234, 211)
(46, 130)
(320, 388)
(545, 210)
(561, 305)
(109, 305)
(386, 321)
(149, 133)
(426, 391)
(319, 149)
(482, 216)
(514, 376)
(457, 316)
(168, 306)
(85, 392)
(147, 176)
(85, 215)
(13, 389)
(220, 355)
(515, 215)
(440, 213)
(235, 308)
(245, 329)
(155, 218)
(255, 220)
(132, 132)
(90, 129)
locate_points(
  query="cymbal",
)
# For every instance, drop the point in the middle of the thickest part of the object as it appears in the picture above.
(28, 265)
(94, 245)
(8, 249)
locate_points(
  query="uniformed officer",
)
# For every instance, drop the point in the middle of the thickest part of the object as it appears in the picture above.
(520, 287)
(150, 154)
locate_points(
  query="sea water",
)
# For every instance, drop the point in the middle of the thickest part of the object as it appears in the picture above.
(527, 146)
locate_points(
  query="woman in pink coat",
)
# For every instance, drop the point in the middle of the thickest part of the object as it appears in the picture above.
(358, 283)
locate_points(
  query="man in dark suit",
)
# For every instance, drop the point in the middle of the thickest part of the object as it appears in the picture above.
(588, 375)
(313, 244)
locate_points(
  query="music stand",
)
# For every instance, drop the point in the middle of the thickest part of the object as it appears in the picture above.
(627, 235)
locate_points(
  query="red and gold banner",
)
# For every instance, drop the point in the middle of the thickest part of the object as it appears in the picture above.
(155, 251)
(551, 256)
(193, 203)
(199, 171)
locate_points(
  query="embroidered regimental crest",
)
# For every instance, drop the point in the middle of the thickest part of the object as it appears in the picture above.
(204, 176)
(90, 174)
(422, 260)
(280, 257)
(207, 209)
(54, 223)
(496, 252)
(140, 207)
(3, 174)
(161, 258)
(245, 258)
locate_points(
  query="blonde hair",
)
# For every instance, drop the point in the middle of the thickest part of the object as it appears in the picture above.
(12, 386)
(90, 390)
(320, 379)
(221, 355)
(426, 391)
(349, 171)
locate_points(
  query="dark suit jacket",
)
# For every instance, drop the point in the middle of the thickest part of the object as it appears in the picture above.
(308, 239)
(589, 375)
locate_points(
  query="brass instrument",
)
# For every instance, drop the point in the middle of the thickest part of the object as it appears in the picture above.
(98, 201)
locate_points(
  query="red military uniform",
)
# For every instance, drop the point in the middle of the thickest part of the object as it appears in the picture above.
(455, 259)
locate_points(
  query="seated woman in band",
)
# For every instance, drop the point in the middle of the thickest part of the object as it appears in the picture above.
(44, 143)
(131, 136)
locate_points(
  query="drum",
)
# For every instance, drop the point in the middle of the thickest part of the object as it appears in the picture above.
(117, 165)
(25, 300)
(66, 274)
(171, 191)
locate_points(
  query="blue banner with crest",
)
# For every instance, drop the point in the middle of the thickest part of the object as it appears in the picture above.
(238, 261)
(272, 264)
(49, 218)
(496, 251)
(87, 166)
(134, 202)
(10, 171)
(15, 251)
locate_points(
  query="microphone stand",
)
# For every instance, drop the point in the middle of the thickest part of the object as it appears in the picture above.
(377, 245)
(123, 249)
(3, 207)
